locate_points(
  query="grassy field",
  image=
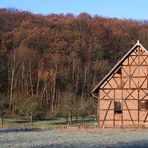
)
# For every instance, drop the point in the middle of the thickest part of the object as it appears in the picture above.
(20, 123)
(17, 122)
(74, 138)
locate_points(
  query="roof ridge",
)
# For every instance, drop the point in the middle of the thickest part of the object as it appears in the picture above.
(117, 64)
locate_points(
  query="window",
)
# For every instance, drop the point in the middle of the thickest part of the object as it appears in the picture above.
(119, 71)
(143, 105)
(117, 107)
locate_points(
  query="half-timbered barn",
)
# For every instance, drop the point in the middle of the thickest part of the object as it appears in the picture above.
(123, 93)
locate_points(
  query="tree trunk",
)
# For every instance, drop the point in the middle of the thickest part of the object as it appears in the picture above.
(76, 85)
(38, 82)
(31, 119)
(81, 120)
(56, 99)
(53, 96)
(66, 119)
(54, 88)
(70, 122)
(11, 92)
(94, 80)
(42, 95)
(2, 119)
(30, 77)
(37, 87)
(12, 71)
(73, 69)
(84, 82)
(22, 76)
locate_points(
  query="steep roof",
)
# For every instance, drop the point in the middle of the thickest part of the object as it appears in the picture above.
(117, 65)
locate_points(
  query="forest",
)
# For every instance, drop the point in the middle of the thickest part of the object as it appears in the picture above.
(50, 63)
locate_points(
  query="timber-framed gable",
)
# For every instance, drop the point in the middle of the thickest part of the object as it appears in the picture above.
(123, 92)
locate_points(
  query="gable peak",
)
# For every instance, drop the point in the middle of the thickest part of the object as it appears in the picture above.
(138, 42)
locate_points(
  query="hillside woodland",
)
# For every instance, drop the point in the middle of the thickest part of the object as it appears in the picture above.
(49, 64)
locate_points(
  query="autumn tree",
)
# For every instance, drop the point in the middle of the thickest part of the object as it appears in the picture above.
(44, 58)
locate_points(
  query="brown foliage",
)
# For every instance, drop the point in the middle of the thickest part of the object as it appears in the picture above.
(59, 53)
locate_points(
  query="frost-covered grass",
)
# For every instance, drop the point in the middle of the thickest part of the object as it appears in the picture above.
(18, 135)
(77, 138)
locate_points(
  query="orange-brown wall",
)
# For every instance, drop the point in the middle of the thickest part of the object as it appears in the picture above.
(130, 86)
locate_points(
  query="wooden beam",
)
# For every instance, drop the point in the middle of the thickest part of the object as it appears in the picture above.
(106, 113)
(114, 112)
(129, 113)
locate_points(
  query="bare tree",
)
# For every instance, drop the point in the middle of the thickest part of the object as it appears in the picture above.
(4, 105)
(84, 81)
(55, 60)
(12, 70)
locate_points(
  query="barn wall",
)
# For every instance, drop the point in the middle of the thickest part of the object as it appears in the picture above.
(128, 84)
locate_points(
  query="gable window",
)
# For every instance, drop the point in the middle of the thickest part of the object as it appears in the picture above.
(117, 107)
(119, 71)
(143, 105)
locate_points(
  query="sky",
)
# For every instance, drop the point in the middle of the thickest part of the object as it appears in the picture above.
(129, 9)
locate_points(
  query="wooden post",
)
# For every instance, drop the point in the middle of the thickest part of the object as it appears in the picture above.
(122, 101)
(138, 82)
(114, 111)
(98, 110)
